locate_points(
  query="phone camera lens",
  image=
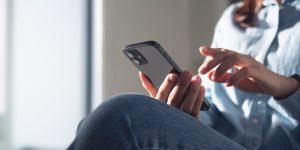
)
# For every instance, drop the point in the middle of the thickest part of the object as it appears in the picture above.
(136, 61)
(130, 55)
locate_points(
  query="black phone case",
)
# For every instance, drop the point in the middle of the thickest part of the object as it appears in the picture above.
(150, 58)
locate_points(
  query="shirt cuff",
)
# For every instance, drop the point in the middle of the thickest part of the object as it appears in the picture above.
(292, 104)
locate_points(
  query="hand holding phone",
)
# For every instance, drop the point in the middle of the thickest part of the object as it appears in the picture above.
(181, 91)
(156, 67)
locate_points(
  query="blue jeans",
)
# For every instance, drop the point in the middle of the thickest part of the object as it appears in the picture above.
(134, 122)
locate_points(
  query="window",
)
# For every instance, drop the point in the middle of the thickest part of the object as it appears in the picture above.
(2, 54)
(97, 94)
(48, 78)
(4, 114)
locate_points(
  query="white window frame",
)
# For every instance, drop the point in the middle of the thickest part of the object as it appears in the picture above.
(97, 47)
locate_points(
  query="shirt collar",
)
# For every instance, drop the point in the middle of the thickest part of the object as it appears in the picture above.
(270, 2)
(274, 2)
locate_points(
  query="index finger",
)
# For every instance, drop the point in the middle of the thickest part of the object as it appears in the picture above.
(207, 51)
(166, 87)
(148, 85)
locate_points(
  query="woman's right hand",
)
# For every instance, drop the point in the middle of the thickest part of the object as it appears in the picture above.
(181, 91)
(249, 75)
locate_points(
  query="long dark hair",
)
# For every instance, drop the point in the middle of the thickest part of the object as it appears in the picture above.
(246, 15)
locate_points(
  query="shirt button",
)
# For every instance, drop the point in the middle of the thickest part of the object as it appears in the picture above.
(254, 121)
(259, 102)
(259, 94)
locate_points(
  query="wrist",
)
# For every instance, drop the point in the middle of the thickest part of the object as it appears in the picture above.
(296, 77)
(288, 87)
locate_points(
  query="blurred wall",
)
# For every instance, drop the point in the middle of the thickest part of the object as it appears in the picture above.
(179, 26)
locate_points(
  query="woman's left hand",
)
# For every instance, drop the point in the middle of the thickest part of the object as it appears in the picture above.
(181, 91)
(249, 75)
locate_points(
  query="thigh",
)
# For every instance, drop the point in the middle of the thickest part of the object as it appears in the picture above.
(136, 121)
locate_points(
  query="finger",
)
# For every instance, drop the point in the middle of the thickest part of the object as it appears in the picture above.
(249, 86)
(222, 79)
(198, 102)
(191, 95)
(203, 68)
(243, 81)
(177, 93)
(228, 62)
(148, 85)
(211, 63)
(206, 51)
(238, 76)
(166, 87)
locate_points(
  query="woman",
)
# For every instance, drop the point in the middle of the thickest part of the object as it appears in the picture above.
(254, 91)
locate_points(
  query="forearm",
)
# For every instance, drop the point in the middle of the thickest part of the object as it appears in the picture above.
(286, 86)
(289, 96)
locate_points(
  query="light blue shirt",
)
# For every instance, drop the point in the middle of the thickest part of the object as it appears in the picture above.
(258, 121)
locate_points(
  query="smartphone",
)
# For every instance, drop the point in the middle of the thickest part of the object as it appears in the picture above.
(150, 58)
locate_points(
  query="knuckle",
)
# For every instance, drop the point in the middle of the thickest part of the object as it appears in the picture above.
(233, 56)
(162, 93)
(174, 102)
(223, 50)
(194, 113)
(186, 109)
(247, 70)
(183, 81)
(194, 89)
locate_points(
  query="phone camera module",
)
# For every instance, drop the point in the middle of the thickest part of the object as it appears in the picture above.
(136, 57)
(136, 61)
(130, 55)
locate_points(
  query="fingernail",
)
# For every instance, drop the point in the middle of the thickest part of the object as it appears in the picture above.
(204, 48)
(173, 77)
(202, 69)
(196, 79)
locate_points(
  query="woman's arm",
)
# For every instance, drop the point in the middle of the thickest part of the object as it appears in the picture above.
(248, 75)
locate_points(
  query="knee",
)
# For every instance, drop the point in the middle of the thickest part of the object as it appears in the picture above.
(110, 118)
(122, 104)
(125, 102)
(127, 98)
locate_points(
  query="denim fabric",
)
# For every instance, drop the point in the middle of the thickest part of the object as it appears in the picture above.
(258, 121)
(138, 122)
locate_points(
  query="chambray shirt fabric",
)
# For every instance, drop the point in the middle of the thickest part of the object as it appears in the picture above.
(258, 121)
